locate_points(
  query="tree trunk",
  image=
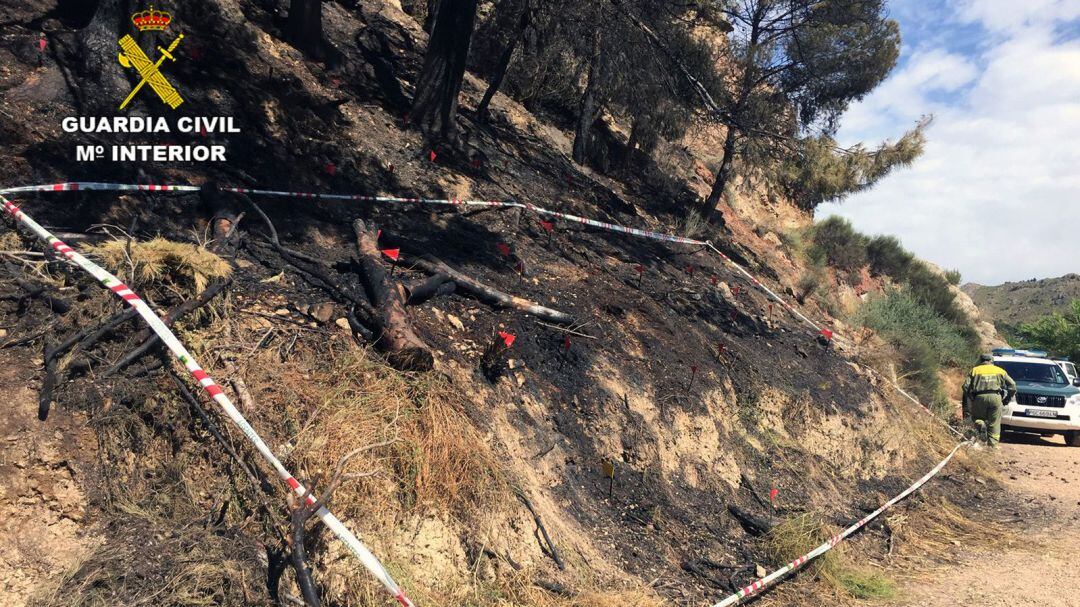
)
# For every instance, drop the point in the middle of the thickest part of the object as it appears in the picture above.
(503, 64)
(435, 104)
(587, 115)
(304, 29)
(95, 52)
(723, 176)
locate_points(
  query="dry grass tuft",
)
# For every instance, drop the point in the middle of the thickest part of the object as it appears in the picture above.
(798, 535)
(428, 457)
(934, 534)
(186, 265)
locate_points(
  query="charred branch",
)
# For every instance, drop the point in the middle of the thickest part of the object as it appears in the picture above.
(487, 294)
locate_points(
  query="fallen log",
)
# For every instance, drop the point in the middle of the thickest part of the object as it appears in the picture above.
(487, 294)
(394, 334)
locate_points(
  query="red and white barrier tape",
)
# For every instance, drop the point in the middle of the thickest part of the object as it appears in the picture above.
(831, 543)
(170, 340)
(365, 556)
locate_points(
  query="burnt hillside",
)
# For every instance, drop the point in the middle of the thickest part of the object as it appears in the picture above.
(645, 436)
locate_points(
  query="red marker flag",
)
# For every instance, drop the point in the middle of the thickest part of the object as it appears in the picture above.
(690, 270)
(330, 168)
(391, 253)
(693, 369)
(714, 280)
(566, 343)
(504, 249)
(42, 43)
(432, 155)
(827, 334)
(547, 225)
(772, 496)
(508, 338)
(640, 268)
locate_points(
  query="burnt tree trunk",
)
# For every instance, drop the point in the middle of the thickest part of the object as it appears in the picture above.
(435, 104)
(723, 176)
(504, 63)
(304, 29)
(587, 115)
(394, 334)
(95, 56)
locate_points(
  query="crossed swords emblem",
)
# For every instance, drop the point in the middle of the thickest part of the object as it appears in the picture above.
(132, 55)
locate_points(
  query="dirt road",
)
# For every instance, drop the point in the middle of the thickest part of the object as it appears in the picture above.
(1041, 567)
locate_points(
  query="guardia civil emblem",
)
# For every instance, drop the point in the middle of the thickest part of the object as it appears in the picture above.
(132, 56)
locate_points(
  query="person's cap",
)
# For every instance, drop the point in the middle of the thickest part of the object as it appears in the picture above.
(986, 358)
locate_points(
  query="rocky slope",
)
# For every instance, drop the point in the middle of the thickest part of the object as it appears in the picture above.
(640, 439)
(1014, 303)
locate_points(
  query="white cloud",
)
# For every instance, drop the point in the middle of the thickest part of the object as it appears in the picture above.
(997, 191)
(1010, 15)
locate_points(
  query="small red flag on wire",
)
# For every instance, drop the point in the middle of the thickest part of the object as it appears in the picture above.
(330, 168)
(547, 225)
(640, 268)
(42, 43)
(773, 495)
(714, 280)
(508, 338)
(566, 343)
(391, 253)
(690, 270)
(432, 155)
(827, 334)
(504, 249)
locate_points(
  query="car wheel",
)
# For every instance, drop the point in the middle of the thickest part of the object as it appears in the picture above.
(1072, 438)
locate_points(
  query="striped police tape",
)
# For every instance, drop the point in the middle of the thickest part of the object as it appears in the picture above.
(181, 353)
(829, 544)
(355, 546)
(659, 236)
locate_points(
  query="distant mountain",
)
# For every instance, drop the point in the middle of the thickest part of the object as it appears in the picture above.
(1013, 303)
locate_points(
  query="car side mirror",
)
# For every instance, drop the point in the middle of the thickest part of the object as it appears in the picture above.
(1076, 382)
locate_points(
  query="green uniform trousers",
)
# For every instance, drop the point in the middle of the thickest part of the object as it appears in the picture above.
(987, 407)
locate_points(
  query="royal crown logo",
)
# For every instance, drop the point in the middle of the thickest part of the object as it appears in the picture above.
(132, 56)
(151, 20)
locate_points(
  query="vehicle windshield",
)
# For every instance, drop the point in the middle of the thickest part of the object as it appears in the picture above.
(1036, 372)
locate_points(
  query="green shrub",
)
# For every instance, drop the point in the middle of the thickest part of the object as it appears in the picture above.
(924, 338)
(838, 244)
(867, 584)
(888, 257)
(953, 276)
(1057, 333)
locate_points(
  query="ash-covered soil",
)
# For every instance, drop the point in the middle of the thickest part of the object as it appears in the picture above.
(685, 380)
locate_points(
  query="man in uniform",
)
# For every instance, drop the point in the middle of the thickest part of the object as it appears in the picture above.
(987, 389)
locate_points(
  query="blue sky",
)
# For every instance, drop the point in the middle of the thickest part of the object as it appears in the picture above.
(996, 194)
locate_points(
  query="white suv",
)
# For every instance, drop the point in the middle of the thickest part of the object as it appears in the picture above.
(1067, 367)
(1047, 400)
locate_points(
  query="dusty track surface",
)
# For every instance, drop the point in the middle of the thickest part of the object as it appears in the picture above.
(1040, 567)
